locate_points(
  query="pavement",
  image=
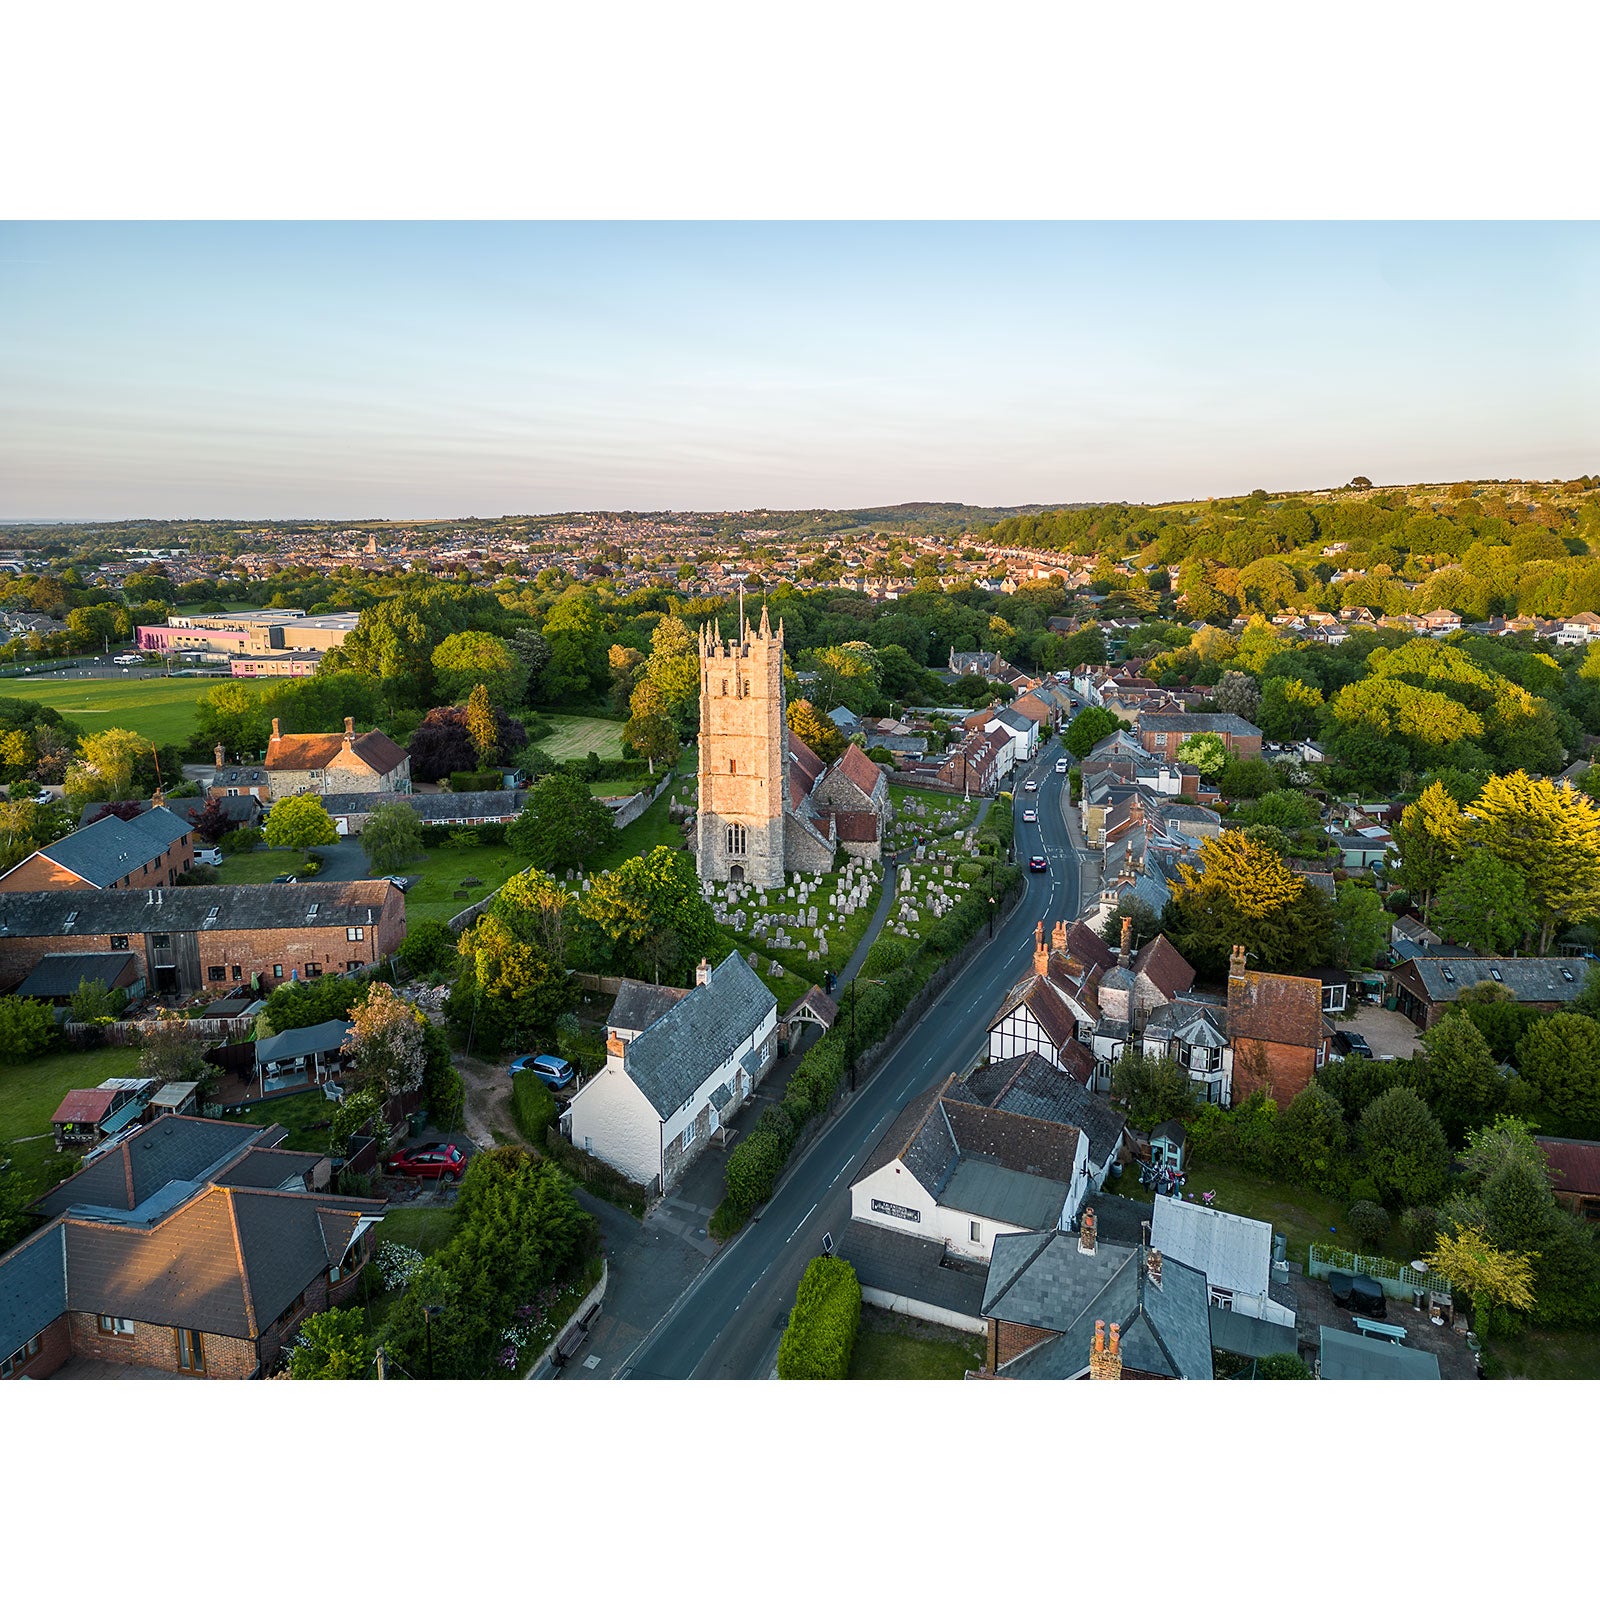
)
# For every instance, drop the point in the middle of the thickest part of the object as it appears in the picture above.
(725, 1322)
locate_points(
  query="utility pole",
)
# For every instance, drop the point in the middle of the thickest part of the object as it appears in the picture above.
(382, 1363)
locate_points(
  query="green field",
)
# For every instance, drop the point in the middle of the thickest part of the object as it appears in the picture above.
(162, 709)
(577, 736)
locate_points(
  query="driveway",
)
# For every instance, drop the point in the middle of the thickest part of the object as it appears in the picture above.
(1387, 1032)
(344, 862)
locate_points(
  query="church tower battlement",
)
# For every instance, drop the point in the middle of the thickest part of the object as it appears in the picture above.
(744, 776)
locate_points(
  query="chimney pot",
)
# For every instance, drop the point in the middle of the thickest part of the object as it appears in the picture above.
(613, 1044)
(349, 726)
(275, 733)
(1236, 962)
(1125, 955)
(219, 752)
(702, 973)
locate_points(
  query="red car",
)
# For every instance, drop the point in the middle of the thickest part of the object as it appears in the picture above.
(427, 1161)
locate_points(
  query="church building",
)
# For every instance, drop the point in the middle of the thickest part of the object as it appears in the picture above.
(768, 804)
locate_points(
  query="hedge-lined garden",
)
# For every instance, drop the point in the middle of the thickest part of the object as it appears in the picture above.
(821, 1336)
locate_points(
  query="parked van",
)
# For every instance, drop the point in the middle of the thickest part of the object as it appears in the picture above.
(208, 856)
(128, 661)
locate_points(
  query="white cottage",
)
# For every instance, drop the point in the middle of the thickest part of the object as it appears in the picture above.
(1234, 1252)
(958, 1174)
(678, 1064)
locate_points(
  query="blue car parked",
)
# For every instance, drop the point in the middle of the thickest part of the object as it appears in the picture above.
(547, 1069)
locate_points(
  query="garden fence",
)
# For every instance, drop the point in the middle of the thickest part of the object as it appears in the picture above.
(1396, 1276)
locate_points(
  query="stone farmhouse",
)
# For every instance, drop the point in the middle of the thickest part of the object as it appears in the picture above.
(332, 763)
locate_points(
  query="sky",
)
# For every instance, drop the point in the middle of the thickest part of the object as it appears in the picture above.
(274, 370)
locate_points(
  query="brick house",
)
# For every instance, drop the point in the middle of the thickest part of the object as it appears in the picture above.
(1574, 1174)
(1425, 985)
(1276, 1030)
(194, 1248)
(213, 937)
(150, 849)
(1162, 733)
(335, 763)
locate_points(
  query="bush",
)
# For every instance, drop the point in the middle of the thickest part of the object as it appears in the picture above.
(1419, 1227)
(1364, 1189)
(889, 953)
(821, 1336)
(475, 782)
(1282, 1365)
(533, 1106)
(753, 1168)
(427, 947)
(445, 1094)
(726, 1220)
(239, 841)
(197, 877)
(1369, 1223)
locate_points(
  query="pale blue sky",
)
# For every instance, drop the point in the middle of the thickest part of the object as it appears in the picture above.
(277, 370)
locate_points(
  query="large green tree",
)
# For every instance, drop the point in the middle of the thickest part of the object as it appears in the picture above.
(392, 837)
(1559, 1058)
(1404, 1148)
(1483, 902)
(1088, 728)
(464, 660)
(562, 825)
(652, 909)
(298, 822)
(1455, 1073)
(1361, 925)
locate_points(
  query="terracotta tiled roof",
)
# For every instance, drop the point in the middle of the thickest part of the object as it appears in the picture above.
(1051, 1011)
(1275, 1009)
(311, 752)
(854, 827)
(856, 765)
(1160, 962)
(804, 768)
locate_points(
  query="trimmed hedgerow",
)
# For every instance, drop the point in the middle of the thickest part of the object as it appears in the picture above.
(533, 1106)
(821, 1336)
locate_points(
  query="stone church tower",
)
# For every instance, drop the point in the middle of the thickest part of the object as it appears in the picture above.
(744, 778)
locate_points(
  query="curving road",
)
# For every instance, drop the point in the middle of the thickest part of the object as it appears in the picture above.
(726, 1324)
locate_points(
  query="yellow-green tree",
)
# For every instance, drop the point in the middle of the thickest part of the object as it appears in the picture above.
(106, 765)
(1251, 877)
(1427, 843)
(1551, 835)
(820, 733)
(297, 822)
(1494, 1278)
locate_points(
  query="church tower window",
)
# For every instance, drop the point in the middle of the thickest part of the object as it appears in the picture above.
(736, 839)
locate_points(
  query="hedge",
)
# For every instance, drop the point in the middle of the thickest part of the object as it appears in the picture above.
(475, 782)
(591, 1173)
(821, 1336)
(533, 1107)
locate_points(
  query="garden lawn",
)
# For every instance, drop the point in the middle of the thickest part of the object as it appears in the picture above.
(307, 1117)
(1547, 1353)
(440, 871)
(162, 709)
(575, 737)
(892, 1346)
(640, 837)
(260, 865)
(1301, 1215)
(30, 1093)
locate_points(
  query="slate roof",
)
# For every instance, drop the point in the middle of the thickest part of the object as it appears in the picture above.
(108, 850)
(33, 1288)
(1534, 979)
(987, 1189)
(1047, 1007)
(171, 1149)
(43, 913)
(902, 1264)
(1030, 1086)
(311, 752)
(1040, 1280)
(1574, 1164)
(679, 1051)
(1233, 1252)
(891, 1147)
(638, 1004)
(1166, 1332)
(430, 807)
(319, 1039)
(1276, 1009)
(1240, 1335)
(58, 976)
(1353, 1355)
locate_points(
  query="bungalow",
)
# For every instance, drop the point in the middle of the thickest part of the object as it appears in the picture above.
(193, 1249)
(665, 1089)
(959, 1174)
(1424, 985)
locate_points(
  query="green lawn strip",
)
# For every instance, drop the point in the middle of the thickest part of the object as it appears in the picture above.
(1547, 1353)
(306, 1117)
(640, 837)
(424, 1228)
(162, 709)
(892, 1346)
(260, 865)
(441, 870)
(30, 1093)
(575, 737)
(1302, 1216)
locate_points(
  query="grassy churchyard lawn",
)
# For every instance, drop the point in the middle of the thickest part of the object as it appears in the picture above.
(920, 813)
(892, 1346)
(575, 737)
(162, 709)
(31, 1090)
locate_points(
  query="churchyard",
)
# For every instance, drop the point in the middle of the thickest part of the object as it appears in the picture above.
(921, 814)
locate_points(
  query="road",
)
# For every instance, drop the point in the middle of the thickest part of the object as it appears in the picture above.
(726, 1324)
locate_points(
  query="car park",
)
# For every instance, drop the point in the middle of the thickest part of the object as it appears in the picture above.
(551, 1070)
(427, 1161)
(1038, 864)
(1030, 816)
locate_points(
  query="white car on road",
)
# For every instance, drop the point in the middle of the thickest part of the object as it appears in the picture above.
(1030, 816)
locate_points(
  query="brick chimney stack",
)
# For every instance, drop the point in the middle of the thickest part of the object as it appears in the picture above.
(349, 731)
(1125, 954)
(702, 973)
(1058, 936)
(1105, 1359)
(614, 1045)
(275, 733)
(1041, 950)
(219, 753)
(1088, 1233)
(1236, 962)
(1152, 1267)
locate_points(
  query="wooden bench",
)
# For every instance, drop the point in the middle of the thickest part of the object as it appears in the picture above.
(568, 1345)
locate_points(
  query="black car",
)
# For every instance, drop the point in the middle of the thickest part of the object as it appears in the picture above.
(1351, 1044)
(1038, 864)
